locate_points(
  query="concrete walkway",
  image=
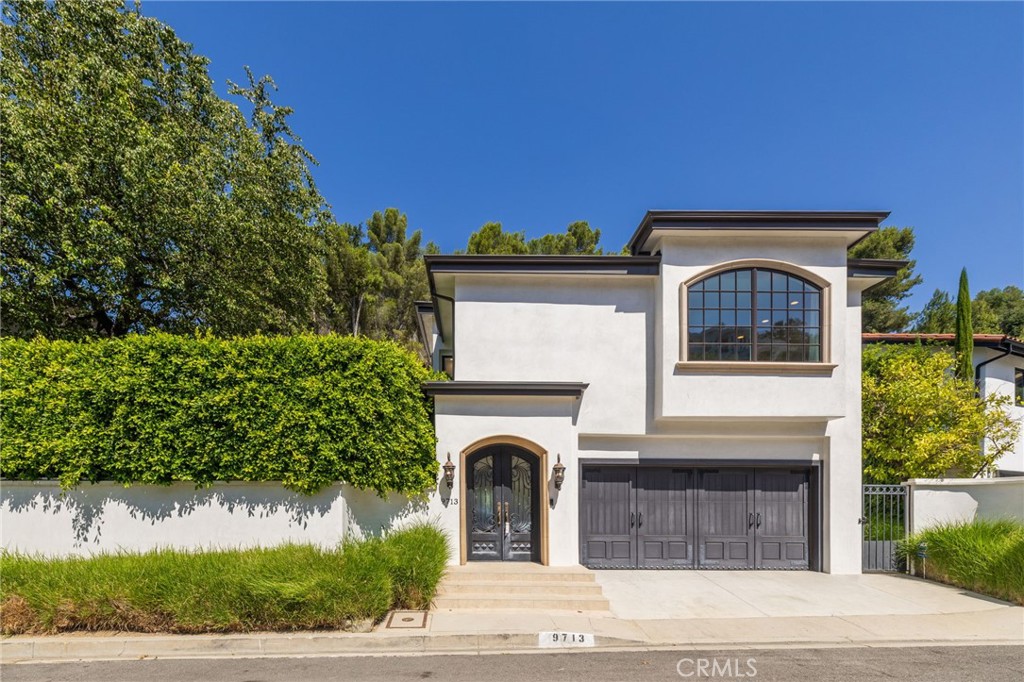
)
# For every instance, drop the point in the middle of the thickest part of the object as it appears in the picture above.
(659, 595)
(653, 610)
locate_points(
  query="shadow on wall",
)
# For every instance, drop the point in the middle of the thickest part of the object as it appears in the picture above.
(372, 516)
(246, 513)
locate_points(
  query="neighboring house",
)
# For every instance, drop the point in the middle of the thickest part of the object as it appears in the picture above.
(695, 404)
(998, 370)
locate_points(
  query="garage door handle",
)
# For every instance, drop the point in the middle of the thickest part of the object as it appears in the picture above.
(632, 519)
(758, 519)
(750, 520)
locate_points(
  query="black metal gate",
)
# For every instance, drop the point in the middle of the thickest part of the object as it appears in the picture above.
(884, 521)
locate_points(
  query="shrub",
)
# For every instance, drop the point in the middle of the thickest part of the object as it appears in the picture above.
(921, 421)
(983, 556)
(303, 410)
(290, 587)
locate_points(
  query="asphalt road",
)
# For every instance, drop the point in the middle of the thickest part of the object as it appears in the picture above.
(960, 664)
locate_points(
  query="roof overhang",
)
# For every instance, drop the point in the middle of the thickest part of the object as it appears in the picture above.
(854, 225)
(869, 272)
(544, 265)
(425, 324)
(537, 389)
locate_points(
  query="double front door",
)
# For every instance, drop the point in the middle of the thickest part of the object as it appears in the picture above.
(671, 517)
(503, 505)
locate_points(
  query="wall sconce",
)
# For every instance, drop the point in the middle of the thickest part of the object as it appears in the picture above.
(449, 471)
(558, 473)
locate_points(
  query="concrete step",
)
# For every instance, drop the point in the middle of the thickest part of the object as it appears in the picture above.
(552, 602)
(520, 587)
(501, 572)
(453, 586)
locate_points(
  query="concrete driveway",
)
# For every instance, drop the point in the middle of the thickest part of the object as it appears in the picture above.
(661, 595)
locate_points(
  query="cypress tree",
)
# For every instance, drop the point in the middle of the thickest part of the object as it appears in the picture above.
(964, 345)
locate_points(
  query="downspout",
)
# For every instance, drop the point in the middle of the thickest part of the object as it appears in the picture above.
(977, 370)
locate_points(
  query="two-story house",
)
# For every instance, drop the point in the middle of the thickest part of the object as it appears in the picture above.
(695, 404)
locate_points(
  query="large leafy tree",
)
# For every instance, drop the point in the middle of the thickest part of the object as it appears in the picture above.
(578, 239)
(921, 421)
(1006, 307)
(881, 311)
(996, 311)
(134, 197)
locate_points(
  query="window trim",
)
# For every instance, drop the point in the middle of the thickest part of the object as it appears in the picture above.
(822, 367)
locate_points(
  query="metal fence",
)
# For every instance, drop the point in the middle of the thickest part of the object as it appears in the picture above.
(884, 521)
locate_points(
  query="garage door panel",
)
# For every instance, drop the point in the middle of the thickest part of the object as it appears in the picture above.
(608, 517)
(665, 524)
(724, 507)
(781, 499)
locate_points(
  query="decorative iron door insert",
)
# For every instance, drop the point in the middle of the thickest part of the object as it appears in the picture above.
(503, 504)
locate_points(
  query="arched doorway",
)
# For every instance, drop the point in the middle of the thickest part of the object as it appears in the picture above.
(503, 511)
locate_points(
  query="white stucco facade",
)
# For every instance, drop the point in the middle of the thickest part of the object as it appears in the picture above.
(621, 334)
(998, 373)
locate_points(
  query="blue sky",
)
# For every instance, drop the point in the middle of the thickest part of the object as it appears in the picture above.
(536, 115)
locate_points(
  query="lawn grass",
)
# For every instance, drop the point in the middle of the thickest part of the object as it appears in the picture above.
(983, 556)
(291, 587)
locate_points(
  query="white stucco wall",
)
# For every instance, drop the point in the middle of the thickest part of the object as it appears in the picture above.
(592, 330)
(38, 518)
(680, 394)
(548, 423)
(940, 501)
(997, 378)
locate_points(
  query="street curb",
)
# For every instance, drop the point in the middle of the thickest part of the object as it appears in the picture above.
(244, 646)
(62, 649)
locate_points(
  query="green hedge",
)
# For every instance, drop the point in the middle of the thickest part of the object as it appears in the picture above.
(291, 587)
(303, 410)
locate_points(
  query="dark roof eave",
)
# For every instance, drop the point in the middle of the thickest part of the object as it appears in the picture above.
(547, 265)
(874, 267)
(869, 221)
(505, 388)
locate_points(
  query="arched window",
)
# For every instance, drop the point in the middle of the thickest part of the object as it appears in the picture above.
(754, 314)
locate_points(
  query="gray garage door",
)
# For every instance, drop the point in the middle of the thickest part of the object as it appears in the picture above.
(672, 517)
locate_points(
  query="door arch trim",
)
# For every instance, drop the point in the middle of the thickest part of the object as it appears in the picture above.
(529, 446)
